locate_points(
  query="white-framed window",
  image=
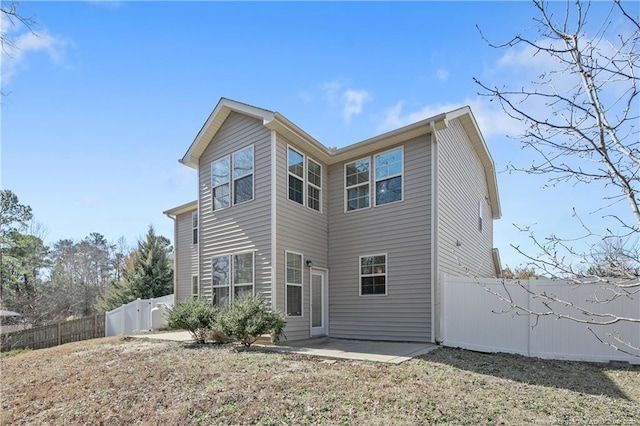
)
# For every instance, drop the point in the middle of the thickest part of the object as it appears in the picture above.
(194, 227)
(195, 288)
(293, 277)
(220, 280)
(232, 276)
(232, 178)
(314, 185)
(221, 191)
(357, 178)
(480, 212)
(243, 274)
(295, 175)
(373, 274)
(243, 175)
(388, 176)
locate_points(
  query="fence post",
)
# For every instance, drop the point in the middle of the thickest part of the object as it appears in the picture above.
(59, 336)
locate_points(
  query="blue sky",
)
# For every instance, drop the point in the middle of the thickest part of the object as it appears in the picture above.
(109, 95)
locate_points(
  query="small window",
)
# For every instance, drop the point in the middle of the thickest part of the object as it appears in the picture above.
(243, 175)
(480, 211)
(195, 290)
(357, 184)
(295, 162)
(220, 280)
(388, 173)
(242, 274)
(194, 226)
(314, 184)
(293, 276)
(373, 274)
(220, 184)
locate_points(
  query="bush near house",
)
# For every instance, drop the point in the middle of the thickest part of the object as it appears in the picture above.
(198, 317)
(249, 317)
(245, 320)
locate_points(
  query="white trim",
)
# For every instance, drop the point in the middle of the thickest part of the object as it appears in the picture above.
(346, 188)
(195, 227)
(376, 180)
(313, 185)
(435, 286)
(274, 223)
(324, 273)
(301, 285)
(385, 274)
(195, 295)
(304, 170)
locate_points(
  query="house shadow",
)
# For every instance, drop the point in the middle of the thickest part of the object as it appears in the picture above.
(583, 377)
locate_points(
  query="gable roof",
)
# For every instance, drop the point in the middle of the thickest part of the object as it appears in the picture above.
(276, 121)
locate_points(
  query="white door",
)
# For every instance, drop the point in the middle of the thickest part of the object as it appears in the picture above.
(319, 303)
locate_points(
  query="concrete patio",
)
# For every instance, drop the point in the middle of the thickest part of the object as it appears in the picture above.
(325, 347)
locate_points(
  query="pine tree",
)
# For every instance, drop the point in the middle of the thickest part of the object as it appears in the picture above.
(146, 273)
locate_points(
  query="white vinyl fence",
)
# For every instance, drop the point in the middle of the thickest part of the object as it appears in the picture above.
(134, 316)
(473, 318)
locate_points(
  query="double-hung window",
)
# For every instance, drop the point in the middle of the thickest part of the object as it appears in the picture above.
(220, 183)
(295, 162)
(314, 184)
(194, 226)
(232, 277)
(232, 178)
(243, 175)
(357, 184)
(293, 276)
(388, 172)
(373, 274)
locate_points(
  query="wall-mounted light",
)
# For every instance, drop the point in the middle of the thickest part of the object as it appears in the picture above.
(309, 263)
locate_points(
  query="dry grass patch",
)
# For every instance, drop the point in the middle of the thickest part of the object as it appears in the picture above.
(116, 381)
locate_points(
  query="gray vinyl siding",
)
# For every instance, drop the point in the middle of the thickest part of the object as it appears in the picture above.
(243, 227)
(301, 230)
(402, 231)
(462, 248)
(186, 256)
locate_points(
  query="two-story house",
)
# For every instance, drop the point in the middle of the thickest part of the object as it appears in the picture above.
(347, 242)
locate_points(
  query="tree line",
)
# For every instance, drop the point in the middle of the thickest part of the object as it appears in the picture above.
(74, 278)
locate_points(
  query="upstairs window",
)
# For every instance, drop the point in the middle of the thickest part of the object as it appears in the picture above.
(236, 169)
(357, 184)
(194, 226)
(243, 175)
(388, 172)
(373, 274)
(314, 185)
(220, 183)
(295, 162)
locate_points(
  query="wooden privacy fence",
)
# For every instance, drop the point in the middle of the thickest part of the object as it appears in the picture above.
(473, 318)
(55, 334)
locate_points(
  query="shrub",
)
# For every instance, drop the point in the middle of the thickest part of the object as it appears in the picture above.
(198, 317)
(249, 317)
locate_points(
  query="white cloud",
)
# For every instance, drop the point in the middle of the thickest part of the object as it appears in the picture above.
(352, 102)
(15, 54)
(490, 117)
(442, 74)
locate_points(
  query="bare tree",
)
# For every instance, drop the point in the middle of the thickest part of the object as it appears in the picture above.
(581, 117)
(10, 18)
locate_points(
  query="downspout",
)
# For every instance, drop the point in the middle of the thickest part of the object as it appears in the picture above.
(175, 255)
(435, 279)
(274, 201)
